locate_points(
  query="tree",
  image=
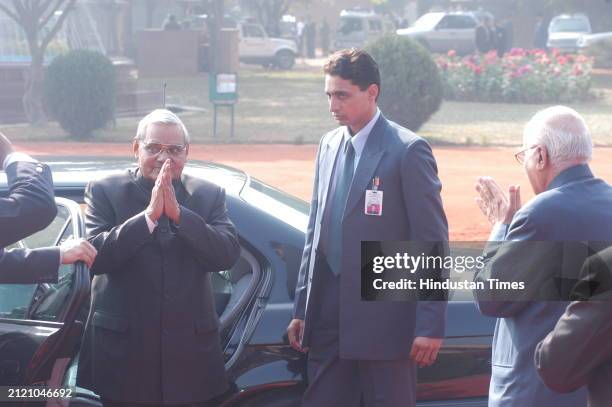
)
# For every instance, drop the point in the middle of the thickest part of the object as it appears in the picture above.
(36, 18)
(391, 6)
(270, 12)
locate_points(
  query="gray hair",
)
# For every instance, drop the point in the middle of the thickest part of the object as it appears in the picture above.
(161, 116)
(563, 132)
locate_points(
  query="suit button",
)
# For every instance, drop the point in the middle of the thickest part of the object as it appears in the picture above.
(164, 332)
(167, 297)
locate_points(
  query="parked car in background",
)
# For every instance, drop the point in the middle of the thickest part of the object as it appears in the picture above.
(598, 46)
(41, 325)
(356, 27)
(565, 30)
(254, 46)
(444, 31)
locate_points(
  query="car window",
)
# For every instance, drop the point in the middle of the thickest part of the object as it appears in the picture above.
(375, 25)
(42, 302)
(427, 21)
(455, 22)
(444, 23)
(466, 22)
(253, 31)
(570, 25)
(348, 25)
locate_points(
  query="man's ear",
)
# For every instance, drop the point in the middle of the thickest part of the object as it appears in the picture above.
(373, 91)
(543, 159)
(135, 146)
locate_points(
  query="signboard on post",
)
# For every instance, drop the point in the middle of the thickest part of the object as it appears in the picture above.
(223, 91)
(223, 88)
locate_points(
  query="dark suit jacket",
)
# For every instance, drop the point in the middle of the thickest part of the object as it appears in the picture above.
(29, 207)
(152, 334)
(412, 210)
(579, 349)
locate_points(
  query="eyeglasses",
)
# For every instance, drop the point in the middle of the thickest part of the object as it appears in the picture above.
(520, 156)
(172, 149)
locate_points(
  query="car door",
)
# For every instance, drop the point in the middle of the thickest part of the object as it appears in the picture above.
(253, 43)
(454, 32)
(39, 330)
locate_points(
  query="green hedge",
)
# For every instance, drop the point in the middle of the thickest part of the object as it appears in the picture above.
(79, 91)
(411, 89)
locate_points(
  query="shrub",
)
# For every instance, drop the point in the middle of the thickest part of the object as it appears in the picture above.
(411, 89)
(521, 76)
(79, 91)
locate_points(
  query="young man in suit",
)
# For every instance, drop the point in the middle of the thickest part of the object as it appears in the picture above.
(28, 208)
(364, 349)
(534, 244)
(152, 335)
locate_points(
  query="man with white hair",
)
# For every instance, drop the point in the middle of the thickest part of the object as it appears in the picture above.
(543, 251)
(152, 335)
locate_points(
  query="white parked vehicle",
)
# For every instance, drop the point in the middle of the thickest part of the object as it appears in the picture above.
(565, 30)
(357, 27)
(254, 44)
(441, 32)
(256, 47)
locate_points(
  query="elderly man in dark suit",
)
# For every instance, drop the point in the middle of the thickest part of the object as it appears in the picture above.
(28, 208)
(152, 335)
(535, 244)
(578, 351)
(365, 349)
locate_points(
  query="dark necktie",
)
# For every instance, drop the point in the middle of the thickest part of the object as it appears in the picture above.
(344, 177)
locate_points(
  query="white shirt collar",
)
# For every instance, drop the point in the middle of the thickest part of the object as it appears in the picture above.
(359, 139)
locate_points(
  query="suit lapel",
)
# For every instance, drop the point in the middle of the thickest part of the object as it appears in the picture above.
(370, 157)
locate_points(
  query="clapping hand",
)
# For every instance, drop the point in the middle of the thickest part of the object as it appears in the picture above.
(494, 203)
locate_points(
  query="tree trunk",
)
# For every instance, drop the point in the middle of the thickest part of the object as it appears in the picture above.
(33, 94)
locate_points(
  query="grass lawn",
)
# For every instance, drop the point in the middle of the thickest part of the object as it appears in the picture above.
(290, 107)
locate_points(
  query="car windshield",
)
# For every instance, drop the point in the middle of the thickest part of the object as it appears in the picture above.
(428, 21)
(282, 205)
(570, 25)
(347, 25)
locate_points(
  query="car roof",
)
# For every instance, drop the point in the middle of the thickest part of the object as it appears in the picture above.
(78, 171)
(571, 17)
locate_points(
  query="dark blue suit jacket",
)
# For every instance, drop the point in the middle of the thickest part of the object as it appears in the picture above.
(576, 207)
(29, 207)
(412, 210)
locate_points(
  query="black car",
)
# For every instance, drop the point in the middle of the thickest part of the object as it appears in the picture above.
(41, 325)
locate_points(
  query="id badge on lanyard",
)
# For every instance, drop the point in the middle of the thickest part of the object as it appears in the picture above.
(374, 199)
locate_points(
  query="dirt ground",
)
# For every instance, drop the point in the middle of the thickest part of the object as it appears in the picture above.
(290, 168)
